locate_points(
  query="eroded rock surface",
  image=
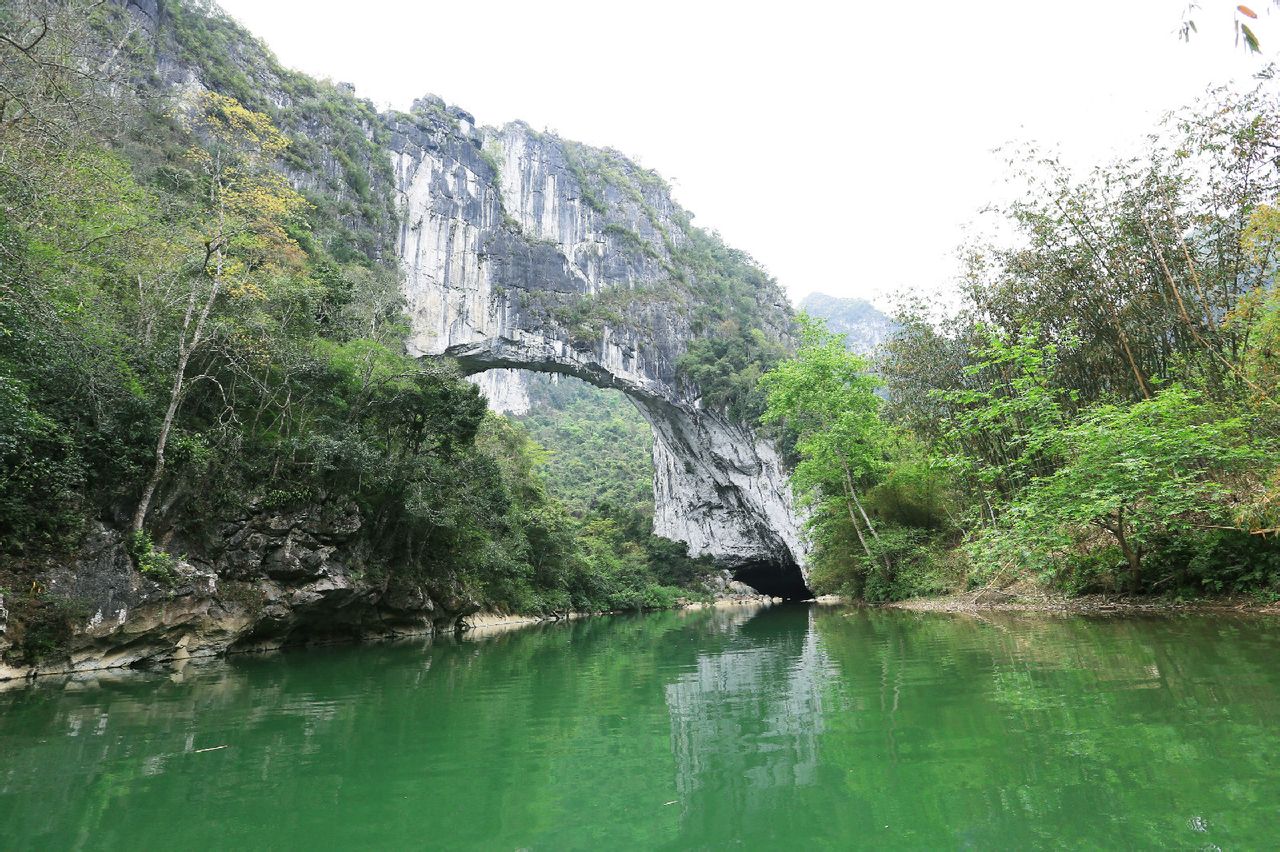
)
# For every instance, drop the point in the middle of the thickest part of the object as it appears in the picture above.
(273, 579)
(505, 252)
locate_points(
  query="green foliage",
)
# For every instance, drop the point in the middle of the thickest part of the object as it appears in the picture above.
(491, 154)
(154, 564)
(917, 491)
(1011, 414)
(1143, 474)
(296, 391)
(354, 210)
(825, 399)
(726, 369)
(741, 330)
(1217, 562)
(45, 624)
(41, 477)
(581, 555)
(1099, 415)
(210, 40)
(599, 448)
(630, 239)
(739, 317)
(586, 183)
(1103, 402)
(904, 562)
(592, 451)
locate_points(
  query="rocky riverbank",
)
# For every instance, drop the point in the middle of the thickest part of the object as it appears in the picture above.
(270, 579)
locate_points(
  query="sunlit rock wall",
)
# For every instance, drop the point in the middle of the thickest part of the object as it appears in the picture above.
(508, 261)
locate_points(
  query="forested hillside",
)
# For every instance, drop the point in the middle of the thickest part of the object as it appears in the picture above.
(599, 450)
(597, 461)
(200, 326)
(1100, 414)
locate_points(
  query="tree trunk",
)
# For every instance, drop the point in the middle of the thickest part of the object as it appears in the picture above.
(863, 512)
(854, 501)
(853, 495)
(157, 471)
(1131, 554)
(858, 529)
(185, 348)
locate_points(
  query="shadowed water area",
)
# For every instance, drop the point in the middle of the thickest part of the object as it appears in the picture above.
(791, 725)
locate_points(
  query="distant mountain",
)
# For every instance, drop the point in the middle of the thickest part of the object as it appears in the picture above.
(863, 325)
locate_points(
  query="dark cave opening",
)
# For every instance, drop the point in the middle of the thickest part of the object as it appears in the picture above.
(784, 581)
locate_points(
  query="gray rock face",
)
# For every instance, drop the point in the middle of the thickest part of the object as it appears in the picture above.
(721, 586)
(504, 251)
(274, 578)
(505, 390)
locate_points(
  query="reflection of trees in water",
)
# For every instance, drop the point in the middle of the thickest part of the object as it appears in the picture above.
(781, 727)
(557, 702)
(1017, 726)
(746, 720)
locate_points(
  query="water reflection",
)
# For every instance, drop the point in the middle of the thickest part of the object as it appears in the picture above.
(747, 718)
(786, 726)
(1038, 731)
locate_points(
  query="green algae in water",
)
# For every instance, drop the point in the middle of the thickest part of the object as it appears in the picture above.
(785, 727)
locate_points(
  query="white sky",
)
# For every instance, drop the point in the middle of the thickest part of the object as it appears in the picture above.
(844, 145)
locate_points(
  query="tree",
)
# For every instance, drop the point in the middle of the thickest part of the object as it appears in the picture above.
(1140, 474)
(1005, 426)
(63, 64)
(825, 397)
(239, 228)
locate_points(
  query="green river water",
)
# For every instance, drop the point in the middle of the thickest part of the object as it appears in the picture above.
(787, 727)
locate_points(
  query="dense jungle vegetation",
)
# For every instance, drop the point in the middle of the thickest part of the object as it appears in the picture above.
(199, 317)
(1099, 414)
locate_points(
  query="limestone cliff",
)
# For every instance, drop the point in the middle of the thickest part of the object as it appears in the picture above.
(518, 250)
(521, 250)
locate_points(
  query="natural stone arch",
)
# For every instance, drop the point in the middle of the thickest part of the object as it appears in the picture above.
(501, 246)
(717, 487)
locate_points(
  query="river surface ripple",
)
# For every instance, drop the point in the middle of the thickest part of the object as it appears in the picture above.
(790, 726)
